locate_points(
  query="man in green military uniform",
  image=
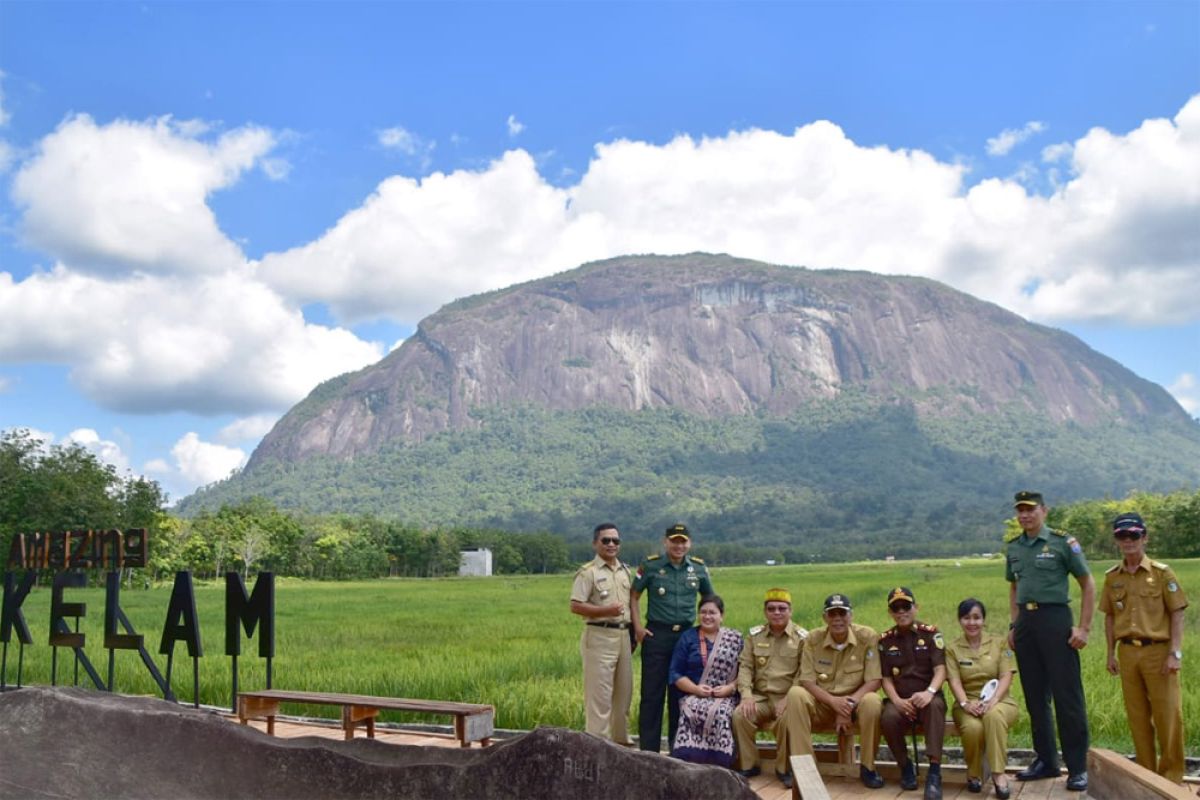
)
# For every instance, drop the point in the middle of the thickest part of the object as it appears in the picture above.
(769, 683)
(839, 673)
(601, 596)
(1047, 643)
(1143, 607)
(672, 581)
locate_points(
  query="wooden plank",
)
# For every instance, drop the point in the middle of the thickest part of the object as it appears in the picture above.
(806, 781)
(395, 703)
(1111, 776)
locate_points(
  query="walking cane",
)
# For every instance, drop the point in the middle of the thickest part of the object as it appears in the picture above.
(916, 758)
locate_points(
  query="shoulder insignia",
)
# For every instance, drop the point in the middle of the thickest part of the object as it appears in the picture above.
(654, 557)
(697, 560)
(1073, 543)
(1160, 565)
(1060, 533)
(921, 626)
(1113, 568)
(802, 632)
(757, 629)
(938, 642)
(1014, 537)
(889, 633)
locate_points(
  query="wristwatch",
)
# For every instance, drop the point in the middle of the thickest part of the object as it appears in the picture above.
(1178, 654)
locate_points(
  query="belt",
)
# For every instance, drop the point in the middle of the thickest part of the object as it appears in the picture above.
(674, 628)
(618, 625)
(1032, 606)
(1140, 642)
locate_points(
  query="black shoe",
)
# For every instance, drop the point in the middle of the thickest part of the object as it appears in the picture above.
(974, 785)
(1001, 792)
(750, 773)
(785, 778)
(1038, 770)
(933, 784)
(870, 778)
(908, 776)
(1077, 783)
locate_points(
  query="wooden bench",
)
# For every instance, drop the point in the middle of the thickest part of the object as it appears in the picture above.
(845, 765)
(473, 722)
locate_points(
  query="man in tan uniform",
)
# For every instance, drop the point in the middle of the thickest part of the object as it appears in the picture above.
(768, 681)
(840, 680)
(1143, 605)
(601, 596)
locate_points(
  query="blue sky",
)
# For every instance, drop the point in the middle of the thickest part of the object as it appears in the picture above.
(207, 208)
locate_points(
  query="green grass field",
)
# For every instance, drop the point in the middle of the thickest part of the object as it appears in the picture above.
(512, 642)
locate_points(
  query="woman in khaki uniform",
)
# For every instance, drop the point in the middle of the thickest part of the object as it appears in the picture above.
(973, 661)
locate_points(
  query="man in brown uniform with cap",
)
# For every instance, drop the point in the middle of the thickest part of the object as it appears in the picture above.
(1143, 605)
(768, 678)
(601, 596)
(840, 680)
(912, 659)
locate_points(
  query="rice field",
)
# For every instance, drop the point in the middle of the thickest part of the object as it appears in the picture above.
(512, 642)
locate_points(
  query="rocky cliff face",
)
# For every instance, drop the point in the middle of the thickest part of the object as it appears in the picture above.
(711, 335)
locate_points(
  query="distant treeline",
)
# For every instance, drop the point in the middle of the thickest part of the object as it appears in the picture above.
(53, 488)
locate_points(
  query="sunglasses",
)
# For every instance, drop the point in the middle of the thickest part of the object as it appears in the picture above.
(609, 540)
(901, 606)
(1128, 534)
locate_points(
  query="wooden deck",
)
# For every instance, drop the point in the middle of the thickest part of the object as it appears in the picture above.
(765, 785)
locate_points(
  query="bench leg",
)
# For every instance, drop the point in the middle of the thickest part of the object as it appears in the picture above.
(258, 708)
(352, 715)
(460, 730)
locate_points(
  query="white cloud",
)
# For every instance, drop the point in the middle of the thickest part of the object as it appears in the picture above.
(104, 449)
(247, 429)
(515, 126)
(1052, 154)
(1009, 138)
(276, 169)
(201, 463)
(407, 143)
(1115, 241)
(206, 344)
(1186, 390)
(131, 196)
(7, 383)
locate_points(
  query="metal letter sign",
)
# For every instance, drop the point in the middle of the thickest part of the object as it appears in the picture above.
(14, 596)
(259, 607)
(182, 624)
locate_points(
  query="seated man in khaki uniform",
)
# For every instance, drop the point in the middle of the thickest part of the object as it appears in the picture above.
(768, 677)
(839, 673)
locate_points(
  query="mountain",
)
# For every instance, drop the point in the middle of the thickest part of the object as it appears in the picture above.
(713, 362)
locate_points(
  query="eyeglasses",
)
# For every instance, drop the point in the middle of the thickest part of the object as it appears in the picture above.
(898, 607)
(609, 540)
(779, 609)
(1131, 535)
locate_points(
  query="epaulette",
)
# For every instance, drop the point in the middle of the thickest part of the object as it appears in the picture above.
(1059, 533)
(802, 633)
(1113, 568)
(889, 633)
(697, 560)
(921, 626)
(653, 557)
(1159, 565)
(1014, 537)
(757, 629)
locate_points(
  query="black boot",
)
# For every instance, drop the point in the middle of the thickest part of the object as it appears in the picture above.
(933, 782)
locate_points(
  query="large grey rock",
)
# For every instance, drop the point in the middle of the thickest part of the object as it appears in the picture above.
(66, 742)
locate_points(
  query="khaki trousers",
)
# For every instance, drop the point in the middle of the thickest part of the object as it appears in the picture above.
(785, 729)
(1153, 704)
(814, 712)
(990, 733)
(607, 681)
